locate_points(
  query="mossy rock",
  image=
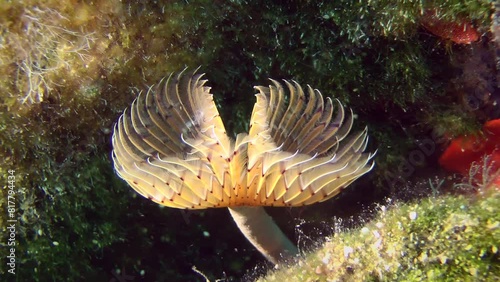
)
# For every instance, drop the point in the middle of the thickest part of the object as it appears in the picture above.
(447, 238)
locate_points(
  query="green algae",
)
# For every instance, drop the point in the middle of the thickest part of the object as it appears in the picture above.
(447, 238)
(68, 69)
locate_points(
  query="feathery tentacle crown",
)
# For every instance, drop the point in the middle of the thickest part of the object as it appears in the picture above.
(171, 147)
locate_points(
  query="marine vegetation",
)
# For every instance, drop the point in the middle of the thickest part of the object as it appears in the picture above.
(69, 68)
(435, 239)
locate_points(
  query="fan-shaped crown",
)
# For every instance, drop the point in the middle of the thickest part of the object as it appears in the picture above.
(171, 147)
